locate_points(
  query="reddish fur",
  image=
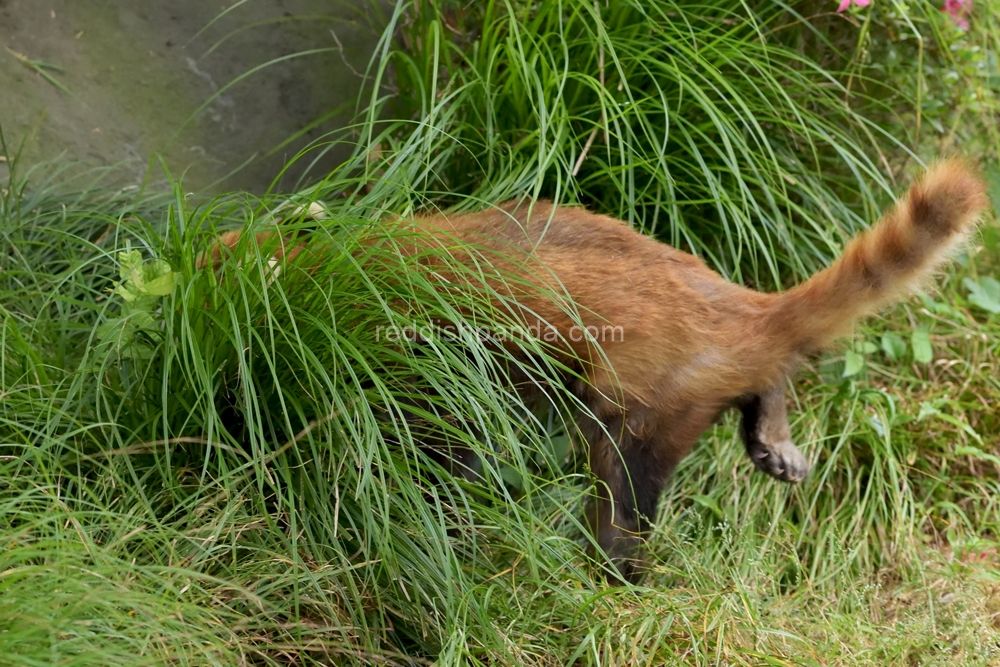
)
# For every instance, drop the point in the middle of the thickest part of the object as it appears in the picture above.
(689, 334)
(885, 262)
(693, 342)
(227, 241)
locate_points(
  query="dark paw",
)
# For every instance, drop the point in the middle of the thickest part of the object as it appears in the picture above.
(781, 460)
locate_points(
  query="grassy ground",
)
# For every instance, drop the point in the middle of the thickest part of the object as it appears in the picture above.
(218, 468)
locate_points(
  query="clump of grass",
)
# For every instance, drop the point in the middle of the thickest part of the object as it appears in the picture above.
(695, 126)
(260, 429)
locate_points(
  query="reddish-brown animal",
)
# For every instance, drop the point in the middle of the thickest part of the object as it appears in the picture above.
(671, 343)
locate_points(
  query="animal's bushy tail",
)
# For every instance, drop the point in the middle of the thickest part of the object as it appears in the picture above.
(883, 263)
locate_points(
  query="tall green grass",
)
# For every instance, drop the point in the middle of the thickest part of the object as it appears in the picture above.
(219, 465)
(251, 440)
(691, 123)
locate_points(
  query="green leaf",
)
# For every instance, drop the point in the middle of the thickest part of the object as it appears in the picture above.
(866, 347)
(159, 278)
(893, 345)
(877, 424)
(511, 476)
(143, 279)
(853, 363)
(129, 262)
(710, 503)
(831, 370)
(985, 294)
(923, 351)
(991, 286)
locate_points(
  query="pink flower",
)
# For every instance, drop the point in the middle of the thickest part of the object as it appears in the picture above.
(844, 4)
(959, 11)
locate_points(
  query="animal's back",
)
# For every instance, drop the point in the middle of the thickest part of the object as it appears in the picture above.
(657, 316)
(680, 329)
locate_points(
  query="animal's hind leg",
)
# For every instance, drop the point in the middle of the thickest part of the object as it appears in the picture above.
(630, 479)
(768, 438)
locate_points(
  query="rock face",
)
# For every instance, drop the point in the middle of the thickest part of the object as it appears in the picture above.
(115, 81)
